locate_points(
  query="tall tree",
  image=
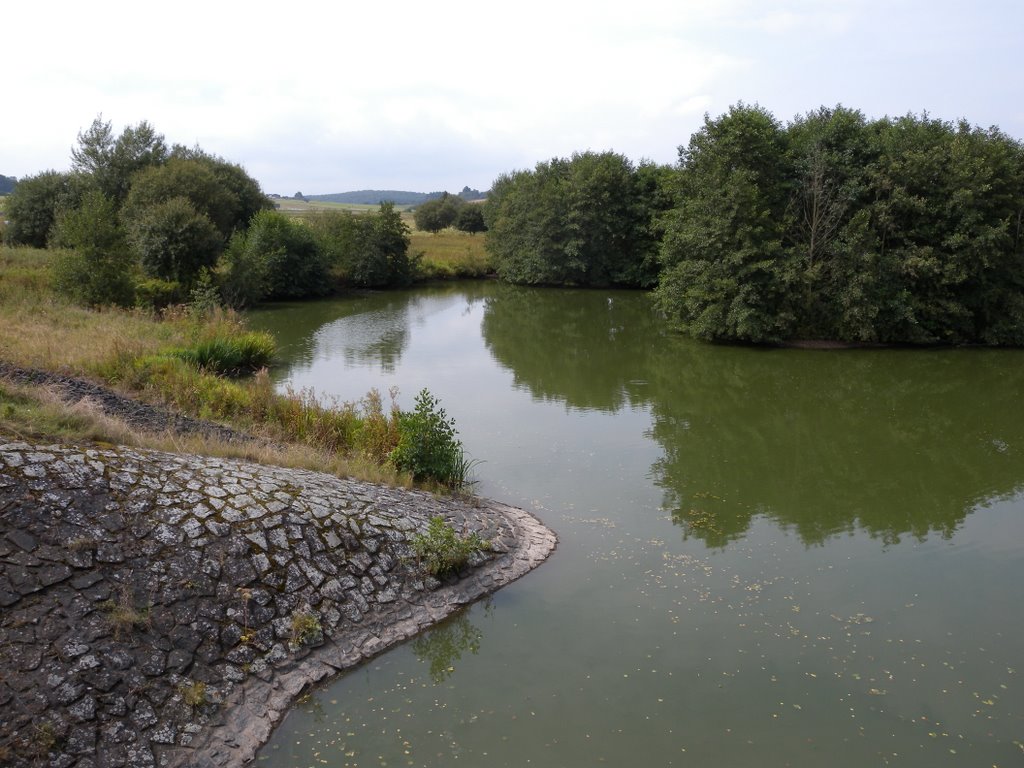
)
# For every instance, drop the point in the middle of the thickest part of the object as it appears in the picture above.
(111, 162)
(722, 253)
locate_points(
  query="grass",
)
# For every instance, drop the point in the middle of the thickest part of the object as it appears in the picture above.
(447, 255)
(161, 359)
(305, 628)
(441, 551)
(451, 254)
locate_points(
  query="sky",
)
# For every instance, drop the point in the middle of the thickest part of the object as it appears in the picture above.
(320, 97)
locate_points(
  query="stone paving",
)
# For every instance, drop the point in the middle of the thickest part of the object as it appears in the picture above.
(160, 609)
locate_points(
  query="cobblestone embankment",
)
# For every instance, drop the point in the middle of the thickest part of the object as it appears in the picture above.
(165, 610)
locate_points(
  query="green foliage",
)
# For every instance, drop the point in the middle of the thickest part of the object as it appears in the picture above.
(295, 266)
(7, 185)
(243, 272)
(428, 445)
(173, 240)
(32, 207)
(99, 268)
(579, 221)
(110, 163)
(441, 551)
(306, 628)
(155, 293)
(193, 694)
(904, 230)
(369, 250)
(435, 215)
(470, 219)
(231, 354)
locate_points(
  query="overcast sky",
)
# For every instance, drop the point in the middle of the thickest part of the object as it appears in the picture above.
(325, 97)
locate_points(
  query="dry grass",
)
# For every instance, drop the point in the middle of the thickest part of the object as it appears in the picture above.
(139, 354)
(451, 254)
(42, 330)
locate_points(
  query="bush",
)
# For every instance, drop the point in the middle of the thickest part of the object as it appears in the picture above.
(174, 241)
(428, 446)
(33, 206)
(295, 265)
(99, 270)
(440, 551)
(157, 294)
(231, 355)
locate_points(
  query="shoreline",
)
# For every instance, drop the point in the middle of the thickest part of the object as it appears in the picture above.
(150, 599)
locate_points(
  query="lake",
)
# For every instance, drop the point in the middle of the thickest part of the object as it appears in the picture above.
(766, 556)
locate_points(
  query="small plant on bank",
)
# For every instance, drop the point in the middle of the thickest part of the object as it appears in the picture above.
(193, 694)
(305, 628)
(124, 616)
(441, 551)
(428, 445)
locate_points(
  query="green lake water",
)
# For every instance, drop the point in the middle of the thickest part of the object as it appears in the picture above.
(766, 557)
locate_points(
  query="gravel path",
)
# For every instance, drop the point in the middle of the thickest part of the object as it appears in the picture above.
(135, 413)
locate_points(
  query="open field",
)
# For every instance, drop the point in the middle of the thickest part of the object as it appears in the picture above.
(295, 207)
(450, 254)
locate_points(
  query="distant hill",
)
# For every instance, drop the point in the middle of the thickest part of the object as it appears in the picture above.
(375, 196)
(7, 184)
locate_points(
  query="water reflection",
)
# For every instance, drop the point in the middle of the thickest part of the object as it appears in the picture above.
(894, 442)
(443, 645)
(590, 349)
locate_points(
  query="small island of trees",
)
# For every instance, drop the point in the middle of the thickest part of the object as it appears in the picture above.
(907, 230)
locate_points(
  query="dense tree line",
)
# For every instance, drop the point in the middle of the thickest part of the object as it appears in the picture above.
(7, 184)
(906, 230)
(144, 222)
(590, 220)
(833, 226)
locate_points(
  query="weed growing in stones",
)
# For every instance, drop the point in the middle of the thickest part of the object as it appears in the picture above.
(124, 616)
(441, 551)
(305, 628)
(193, 694)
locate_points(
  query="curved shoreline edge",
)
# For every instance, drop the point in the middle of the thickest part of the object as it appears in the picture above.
(258, 708)
(148, 599)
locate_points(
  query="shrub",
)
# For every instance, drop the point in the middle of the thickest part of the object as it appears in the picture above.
(440, 551)
(243, 273)
(428, 446)
(157, 294)
(231, 355)
(174, 241)
(99, 270)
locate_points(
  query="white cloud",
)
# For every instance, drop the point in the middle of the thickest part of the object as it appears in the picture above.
(326, 96)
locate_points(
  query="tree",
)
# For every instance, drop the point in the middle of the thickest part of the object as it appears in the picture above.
(246, 197)
(33, 206)
(174, 241)
(723, 272)
(295, 266)
(470, 219)
(111, 162)
(369, 250)
(99, 269)
(7, 184)
(435, 215)
(577, 221)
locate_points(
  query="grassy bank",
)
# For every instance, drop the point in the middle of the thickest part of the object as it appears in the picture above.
(446, 255)
(188, 360)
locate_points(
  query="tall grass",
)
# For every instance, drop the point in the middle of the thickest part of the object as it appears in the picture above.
(450, 255)
(191, 361)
